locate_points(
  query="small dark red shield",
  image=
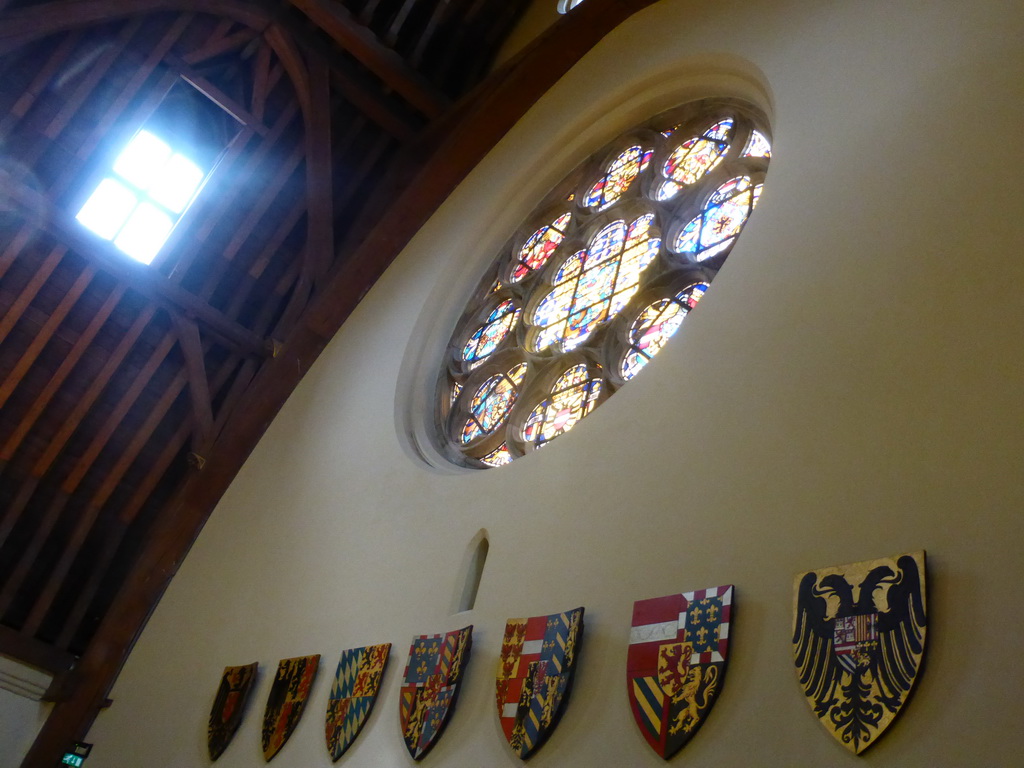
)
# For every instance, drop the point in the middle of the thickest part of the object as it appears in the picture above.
(229, 707)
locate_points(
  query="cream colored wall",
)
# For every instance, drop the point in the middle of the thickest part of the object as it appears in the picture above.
(20, 721)
(849, 389)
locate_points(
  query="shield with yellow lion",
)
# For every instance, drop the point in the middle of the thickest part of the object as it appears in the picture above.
(676, 664)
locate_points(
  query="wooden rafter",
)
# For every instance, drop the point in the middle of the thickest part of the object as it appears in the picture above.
(85, 521)
(22, 26)
(34, 653)
(198, 383)
(319, 174)
(40, 82)
(358, 40)
(220, 45)
(46, 332)
(137, 276)
(67, 365)
(89, 82)
(171, 449)
(199, 81)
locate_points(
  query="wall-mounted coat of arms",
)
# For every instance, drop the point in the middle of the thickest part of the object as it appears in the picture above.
(675, 669)
(353, 693)
(538, 658)
(229, 707)
(287, 700)
(430, 687)
(858, 637)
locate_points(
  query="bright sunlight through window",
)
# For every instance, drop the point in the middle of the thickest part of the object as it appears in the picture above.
(139, 204)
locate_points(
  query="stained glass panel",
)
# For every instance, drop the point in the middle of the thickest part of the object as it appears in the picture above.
(705, 179)
(538, 248)
(573, 396)
(655, 325)
(488, 336)
(694, 158)
(617, 178)
(594, 285)
(492, 403)
(721, 220)
(499, 457)
(757, 146)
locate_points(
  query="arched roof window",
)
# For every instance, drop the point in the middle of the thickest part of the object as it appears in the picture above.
(599, 277)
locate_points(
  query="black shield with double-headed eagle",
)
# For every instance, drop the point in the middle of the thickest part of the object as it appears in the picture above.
(858, 638)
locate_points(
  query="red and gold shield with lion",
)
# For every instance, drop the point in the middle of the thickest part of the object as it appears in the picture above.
(676, 664)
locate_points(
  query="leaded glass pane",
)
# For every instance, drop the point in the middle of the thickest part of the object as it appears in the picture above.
(488, 336)
(721, 220)
(655, 325)
(617, 178)
(694, 158)
(592, 286)
(757, 146)
(499, 457)
(573, 396)
(492, 402)
(539, 247)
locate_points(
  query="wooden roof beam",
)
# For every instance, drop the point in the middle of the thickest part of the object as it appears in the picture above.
(198, 81)
(34, 653)
(23, 25)
(219, 46)
(54, 383)
(142, 493)
(198, 383)
(138, 277)
(390, 67)
(87, 519)
(360, 89)
(319, 174)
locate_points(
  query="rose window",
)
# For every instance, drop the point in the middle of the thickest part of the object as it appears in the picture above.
(598, 280)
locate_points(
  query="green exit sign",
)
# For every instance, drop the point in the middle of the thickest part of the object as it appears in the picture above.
(79, 751)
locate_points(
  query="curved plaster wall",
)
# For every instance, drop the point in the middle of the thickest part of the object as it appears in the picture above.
(850, 388)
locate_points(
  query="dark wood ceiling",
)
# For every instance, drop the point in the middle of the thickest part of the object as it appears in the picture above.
(131, 394)
(116, 378)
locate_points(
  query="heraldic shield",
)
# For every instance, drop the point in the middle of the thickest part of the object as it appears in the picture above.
(229, 707)
(353, 693)
(287, 700)
(538, 658)
(430, 687)
(858, 639)
(676, 663)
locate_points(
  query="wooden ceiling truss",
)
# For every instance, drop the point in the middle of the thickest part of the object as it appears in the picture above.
(130, 395)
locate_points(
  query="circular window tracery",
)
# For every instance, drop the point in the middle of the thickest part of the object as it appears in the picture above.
(598, 279)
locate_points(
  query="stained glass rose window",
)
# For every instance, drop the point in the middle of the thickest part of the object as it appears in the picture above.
(598, 279)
